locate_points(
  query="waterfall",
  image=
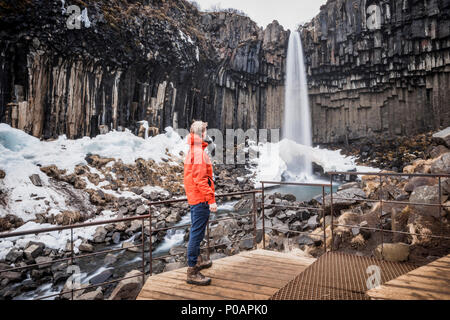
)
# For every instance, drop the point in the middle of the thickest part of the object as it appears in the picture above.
(297, 117)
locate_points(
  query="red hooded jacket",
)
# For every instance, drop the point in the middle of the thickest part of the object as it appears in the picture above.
(198, 173)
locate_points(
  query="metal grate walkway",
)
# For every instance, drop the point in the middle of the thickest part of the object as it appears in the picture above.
(339, 276)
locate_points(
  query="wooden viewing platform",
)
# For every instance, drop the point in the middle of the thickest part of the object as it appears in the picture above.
(250, 275)
(430, 282)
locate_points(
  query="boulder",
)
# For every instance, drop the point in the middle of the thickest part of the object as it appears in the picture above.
(418, 182)
(349, 195)
(142, 209)
(33, 250)
(100, 234)
(438, 151)
(394, 252)
(121, 226)
(13, 255)
(312, 222)
(442, 137)
(45, 261)
(289, 197)
(2, 174)
(68, 217)
(305, 240)
(127, 289)
(86, 247)
(116, 237)
(429, 195)
(110, 259)
(441, 164)
(243, 204)
(246, 244)
(303, 214)
(135, 226)
(123, 211)
(93, 295)
(36, 180)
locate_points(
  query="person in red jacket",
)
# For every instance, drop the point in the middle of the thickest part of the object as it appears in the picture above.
(199, 187)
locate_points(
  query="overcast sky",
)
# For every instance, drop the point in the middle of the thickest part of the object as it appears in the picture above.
(289, 13)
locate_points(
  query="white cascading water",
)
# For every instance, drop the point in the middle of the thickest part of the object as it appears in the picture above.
(297, 117)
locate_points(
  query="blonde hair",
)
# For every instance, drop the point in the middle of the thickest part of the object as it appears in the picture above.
(198, 127)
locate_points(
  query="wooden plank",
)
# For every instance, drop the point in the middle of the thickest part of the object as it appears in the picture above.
(286, 261)
(244, 260)
(431, 281)
(291, 257)
(155, 295)
(254, 279)
(243, 286)
(179, 290)
(265, 272)
(216, 290)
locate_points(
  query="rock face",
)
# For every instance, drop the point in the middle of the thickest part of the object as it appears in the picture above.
(160, 60)
(373, 68)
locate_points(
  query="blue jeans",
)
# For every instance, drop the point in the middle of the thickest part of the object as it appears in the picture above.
(199, 219)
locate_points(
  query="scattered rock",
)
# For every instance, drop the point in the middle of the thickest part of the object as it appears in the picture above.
(93, 295)
(36, 180)
(441, 164)
(68, 217)
(394, 252)
(13, 255)
(312, 222)
(442, 137)
(127, 289)
(246, 244)
(110, 259)
(141, 210)
(100, 234)
(46, 262)
(86, 247)
(33, 250)
(418, 182)
(305, 240)
(429, 195)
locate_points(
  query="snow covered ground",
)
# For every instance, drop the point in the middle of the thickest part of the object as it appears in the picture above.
(21, 155)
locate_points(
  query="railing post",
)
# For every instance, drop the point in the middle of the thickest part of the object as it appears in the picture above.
(324, 224)
(262, 211)
(440, 213)
(143, 251)
(255, 212)
(331, 211)
(381, 213)
(151, 243)
(71, 258)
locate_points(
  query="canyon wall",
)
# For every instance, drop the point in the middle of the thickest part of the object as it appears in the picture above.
(83, 68)
(378, 68)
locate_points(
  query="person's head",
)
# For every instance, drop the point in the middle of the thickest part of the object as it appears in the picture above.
(199, 128)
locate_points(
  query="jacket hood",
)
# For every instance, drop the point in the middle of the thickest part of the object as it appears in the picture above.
(194, 139)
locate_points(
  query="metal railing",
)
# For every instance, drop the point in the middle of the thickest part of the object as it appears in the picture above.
(381, 201)
(322, 208)
(208, 247)
(143, 218)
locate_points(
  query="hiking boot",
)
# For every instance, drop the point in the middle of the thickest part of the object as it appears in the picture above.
(203, 264)
(195, 277)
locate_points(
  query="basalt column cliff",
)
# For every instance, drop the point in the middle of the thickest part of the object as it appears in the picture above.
(85, 67)
(378, 68)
